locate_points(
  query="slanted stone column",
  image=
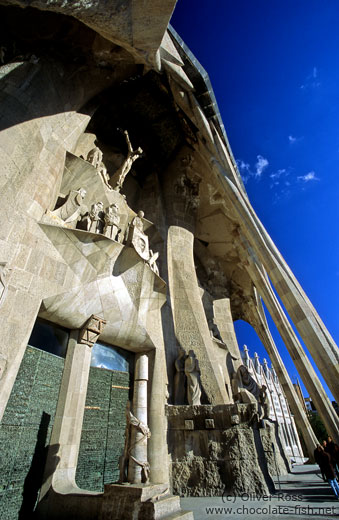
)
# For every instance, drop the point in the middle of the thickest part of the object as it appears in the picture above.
(310, 327)
(300, 359)
(66, 434)
(138, 468)
(301, 418)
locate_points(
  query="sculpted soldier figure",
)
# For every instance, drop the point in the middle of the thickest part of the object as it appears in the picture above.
(112, 220)
(95, 218)
(132, 155)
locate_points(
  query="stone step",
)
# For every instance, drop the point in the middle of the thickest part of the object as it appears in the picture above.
(162, 508)
(165, 506)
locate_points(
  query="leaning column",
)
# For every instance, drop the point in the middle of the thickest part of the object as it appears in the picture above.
(313, 332)
(300, 359)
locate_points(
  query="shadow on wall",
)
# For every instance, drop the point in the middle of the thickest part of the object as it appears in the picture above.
(36, 476)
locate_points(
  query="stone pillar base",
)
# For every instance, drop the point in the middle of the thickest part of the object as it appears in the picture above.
(127, 501)
(141, 501)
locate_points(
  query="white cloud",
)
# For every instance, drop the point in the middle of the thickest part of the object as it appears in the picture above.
(293, 140)
(311, 80)
(260, 165)
(242, 165)
(278, 173)
(310, 176)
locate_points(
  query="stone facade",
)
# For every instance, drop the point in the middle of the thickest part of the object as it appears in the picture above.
(279, 409)
(125, 222)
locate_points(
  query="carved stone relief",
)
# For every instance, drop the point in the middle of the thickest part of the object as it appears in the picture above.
(187, 185)
(139, 240)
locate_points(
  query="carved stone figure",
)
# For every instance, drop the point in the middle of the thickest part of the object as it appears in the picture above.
(4, 271)
(264, 402)
(132, 155)
(95, 218)
(94, 157)
(138, 238)
(192, 373)
(180, 378)
(73, 208)
(137, 221)
(102, 170)
(112, 220)
(144, 429)
(245, 388)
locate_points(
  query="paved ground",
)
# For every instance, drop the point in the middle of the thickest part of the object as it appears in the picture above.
(303, 494)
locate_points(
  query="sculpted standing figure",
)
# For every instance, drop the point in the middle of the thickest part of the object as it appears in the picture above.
(132, 155)
(192, 372)
(102, 170)
(94, 157)
(137, 221)
(95, 218)
(179, 378)
(264, 402)
(112, 220)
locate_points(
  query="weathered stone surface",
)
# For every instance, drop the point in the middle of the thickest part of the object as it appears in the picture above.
(72, 89)
(207, 462)
(124, 23)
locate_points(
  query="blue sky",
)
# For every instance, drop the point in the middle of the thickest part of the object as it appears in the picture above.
(274, 68)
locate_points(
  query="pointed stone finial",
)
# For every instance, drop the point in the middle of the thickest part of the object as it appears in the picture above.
(266, 369)
(274, 374)
(246, 357)
(256, 363)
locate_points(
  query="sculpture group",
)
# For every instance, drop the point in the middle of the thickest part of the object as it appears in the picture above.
(74, 213)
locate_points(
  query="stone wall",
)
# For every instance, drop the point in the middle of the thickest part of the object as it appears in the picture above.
(103, 431)
(25, 431)
(218, 449)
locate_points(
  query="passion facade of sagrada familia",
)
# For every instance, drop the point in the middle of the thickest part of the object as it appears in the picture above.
(128, 249)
